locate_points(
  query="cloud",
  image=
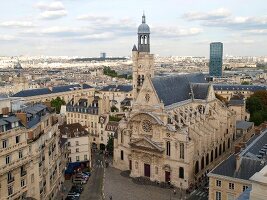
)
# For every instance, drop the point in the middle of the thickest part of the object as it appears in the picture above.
(17, 24)
(175, 32)
(212, 15)
(258, 31)
(53, 10)
(56, 5)
(223, 18)
(53, 14)
(240, 23)
(7, 38)
(93, 18)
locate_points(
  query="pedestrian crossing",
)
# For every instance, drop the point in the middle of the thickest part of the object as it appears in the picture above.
(201, 194)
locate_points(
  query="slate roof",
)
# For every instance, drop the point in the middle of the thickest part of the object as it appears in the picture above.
(200, 91)
(73, 130)
(176, 88)
(249, 165)
(44, 91)
(3, 122)
(118, 88)
(247, 168)
(244, 125)
(34, 92)
(252, 88)
(12, 119)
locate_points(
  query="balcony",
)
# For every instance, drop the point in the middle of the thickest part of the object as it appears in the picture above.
(12, 148)
(10, 180)
(23, 173)
(17, 163)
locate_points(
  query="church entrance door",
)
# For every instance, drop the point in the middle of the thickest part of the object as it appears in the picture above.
(167, 176)
(147, 170)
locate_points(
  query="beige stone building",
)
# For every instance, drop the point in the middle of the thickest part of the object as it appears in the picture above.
(239, 107)
(32, 155)
(228, 91)
(79, 148)
(92, 113)
(233, 176)
(177, 129)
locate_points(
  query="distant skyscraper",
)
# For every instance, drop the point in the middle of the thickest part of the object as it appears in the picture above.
(216, 59)
(103, 55)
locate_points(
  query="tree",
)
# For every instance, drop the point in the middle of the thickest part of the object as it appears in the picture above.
(245, 83)
(110, 144)
(57, 103)
(257, 107)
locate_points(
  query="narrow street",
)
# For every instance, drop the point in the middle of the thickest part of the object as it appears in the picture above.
(93, 188)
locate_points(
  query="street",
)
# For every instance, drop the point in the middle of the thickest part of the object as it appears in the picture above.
(93, 188)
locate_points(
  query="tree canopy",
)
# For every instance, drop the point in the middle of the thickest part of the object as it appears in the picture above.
(257, 107)
(57, 103)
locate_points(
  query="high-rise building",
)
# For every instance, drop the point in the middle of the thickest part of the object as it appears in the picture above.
(103, 55)
(216, 59)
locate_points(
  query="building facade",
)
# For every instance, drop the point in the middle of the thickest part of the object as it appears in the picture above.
(79, 148)
(177, 129)
(92, 113)
(232, 176)
(32, 157)
(216, 59)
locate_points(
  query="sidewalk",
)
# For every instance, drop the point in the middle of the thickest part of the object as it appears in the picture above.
(66, 186)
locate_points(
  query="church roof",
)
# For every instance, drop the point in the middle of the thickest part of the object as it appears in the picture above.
(143, 28)
(176, 88)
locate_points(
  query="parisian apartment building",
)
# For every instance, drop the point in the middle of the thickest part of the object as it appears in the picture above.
(32, 154)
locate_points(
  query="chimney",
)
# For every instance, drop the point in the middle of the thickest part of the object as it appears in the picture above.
(5, 111)
(47, 103)
(238, 159)
(22, 117)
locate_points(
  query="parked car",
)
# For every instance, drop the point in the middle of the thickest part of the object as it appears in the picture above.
(72, 198)
(82, 176)
(78, 180)
(87, 173)
(76, 189)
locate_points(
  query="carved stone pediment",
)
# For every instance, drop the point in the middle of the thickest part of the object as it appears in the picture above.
(146, 144)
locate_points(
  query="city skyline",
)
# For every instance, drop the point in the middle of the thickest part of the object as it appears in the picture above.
(79, 28)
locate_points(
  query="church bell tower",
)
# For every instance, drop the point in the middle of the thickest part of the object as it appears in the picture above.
(143, 61)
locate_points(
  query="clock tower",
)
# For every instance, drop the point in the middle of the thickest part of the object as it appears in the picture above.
(143, 61)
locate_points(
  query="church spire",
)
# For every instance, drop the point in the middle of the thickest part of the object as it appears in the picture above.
(143, 18)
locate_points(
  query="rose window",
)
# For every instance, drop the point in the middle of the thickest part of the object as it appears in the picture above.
(147, 126)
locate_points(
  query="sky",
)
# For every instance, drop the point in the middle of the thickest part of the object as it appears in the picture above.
(87, 27)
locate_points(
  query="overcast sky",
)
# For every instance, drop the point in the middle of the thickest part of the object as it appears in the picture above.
(88, 27)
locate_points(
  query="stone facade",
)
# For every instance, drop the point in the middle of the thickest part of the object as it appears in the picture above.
(177, 129)
(32, 155)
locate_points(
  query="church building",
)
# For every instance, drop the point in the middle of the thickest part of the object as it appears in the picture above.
(177, 130)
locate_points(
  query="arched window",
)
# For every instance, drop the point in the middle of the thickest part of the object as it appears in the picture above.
(224, 146)
(145, 39)
(207, 159)
(220, 150)
(181, 150)
(196, 167)
(181, 172)
(216, 152)
(141, 39)
(168, 148)
(228, 146)
(202, 163)
(211, 156)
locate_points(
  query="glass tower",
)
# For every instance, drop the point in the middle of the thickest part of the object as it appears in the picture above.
(216, 59)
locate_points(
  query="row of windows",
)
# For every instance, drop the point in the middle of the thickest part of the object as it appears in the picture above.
(168, 149)
(85, 157)
(231, 186)
(8, 157)
(218, 196)
(5, 142)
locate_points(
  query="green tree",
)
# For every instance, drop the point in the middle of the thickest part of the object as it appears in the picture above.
(110, 144)
(245, 83)
(57, 103)
(257, 107)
